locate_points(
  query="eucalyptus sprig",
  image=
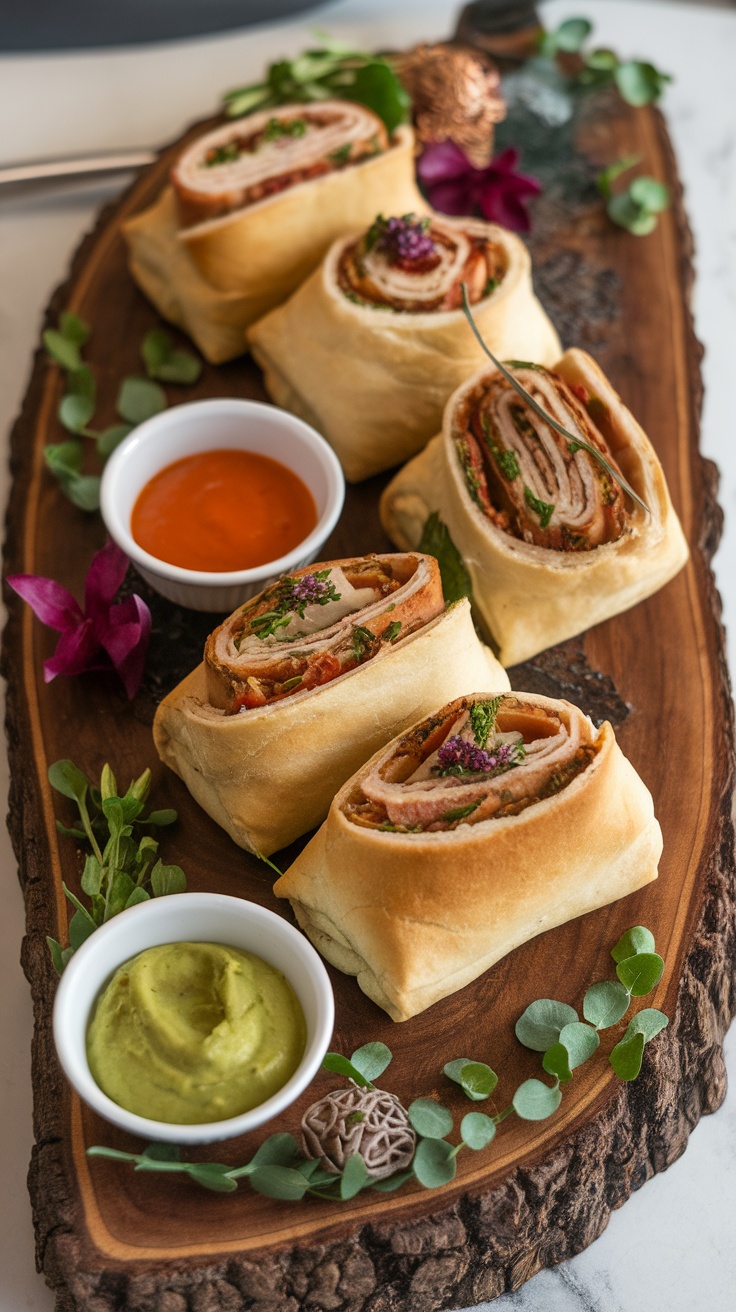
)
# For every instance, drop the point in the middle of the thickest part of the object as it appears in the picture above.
(137, 399)
(574, 441)
(280, 1169)
(123, 866)
(332, 69)
(638, 206)
(637, 81)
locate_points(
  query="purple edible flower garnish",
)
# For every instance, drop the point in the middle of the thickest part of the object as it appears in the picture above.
(457, 756)
(310, 589)
(454, 186)
(404, 241)
(103, 636)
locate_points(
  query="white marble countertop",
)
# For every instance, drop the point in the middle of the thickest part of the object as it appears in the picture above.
(671, 1246)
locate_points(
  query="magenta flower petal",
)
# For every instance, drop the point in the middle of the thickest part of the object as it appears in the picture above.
(452, 197)
(441, 162)
(74, 652)
(48, 600)
(126, 640)
(104, 578)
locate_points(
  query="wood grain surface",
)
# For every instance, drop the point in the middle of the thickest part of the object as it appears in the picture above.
(109, 1239)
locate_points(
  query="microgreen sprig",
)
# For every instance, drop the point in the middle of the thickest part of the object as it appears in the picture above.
(574, 441)
(137, 399)
(123, 867)
(280, 1170)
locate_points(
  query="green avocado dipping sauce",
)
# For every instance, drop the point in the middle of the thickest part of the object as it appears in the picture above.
(195, 1032)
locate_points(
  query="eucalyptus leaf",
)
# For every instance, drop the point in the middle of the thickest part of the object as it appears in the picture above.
(475, 1078)
(160, 818)
(81, 382)
(436, 541)
(430, 1118)
(64, 459)
(62, 349)
(166, 362)
(637, 939)
(139, 399)
(580, 1042)
(640, 974)
(651, 195)
(556, 1062)
(110, 438)
(74, 329)
(279, 1182)
(114, 1154)
(627, 1055)
(354, 1177)
(83, 492)
(540, 1024)
(75, 412)
(477, 1130)
(649, 1022)
(604, 1004)
(339, 1065)
(613, 171)
(162, 1152)
(212, 1176)
(435, 1163)
(371, 1060)
(277, 1150)
(395, 1181)
(535, 1101)
(639, 83)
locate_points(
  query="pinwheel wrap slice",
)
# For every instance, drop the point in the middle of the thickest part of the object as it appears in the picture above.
(216, 277)
(418, 914)
(546, 574)
(413, 359)
(268, 774)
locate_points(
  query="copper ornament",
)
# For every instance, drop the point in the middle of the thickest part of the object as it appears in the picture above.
(456, 96)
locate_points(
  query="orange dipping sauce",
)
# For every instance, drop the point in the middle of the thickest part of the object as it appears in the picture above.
(223, 510)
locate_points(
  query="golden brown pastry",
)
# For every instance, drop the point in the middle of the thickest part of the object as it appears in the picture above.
(552, 542)
(498, 817)
(386, 304)
(254, 205)
(301, 684)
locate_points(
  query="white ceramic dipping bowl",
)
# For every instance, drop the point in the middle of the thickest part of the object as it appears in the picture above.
(190, 918)
(199, 426)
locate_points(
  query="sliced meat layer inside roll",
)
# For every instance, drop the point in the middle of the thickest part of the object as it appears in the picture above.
(417, 264)
(239, 164)
(526, 477)
(307, 629)
(478, 759)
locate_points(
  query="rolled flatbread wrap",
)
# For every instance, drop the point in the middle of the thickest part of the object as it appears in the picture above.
(305, 681)
(387, 303)
(252, 208)
(490, 821)
(552, 543)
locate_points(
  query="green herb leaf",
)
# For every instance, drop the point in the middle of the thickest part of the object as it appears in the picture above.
(477, 1130)
(63, 350)
(460, 812)
(354, 1177)
(395, 1181)
(277, 1150)
(613, 171)
(604, 1004)
(638, 939)
(75, 412)
(649, 1022)
(652, 196)
(74, 329)
(371, 1060)
(166, 880)
(64, 458)
(640, 974)
(434, 1163)
(569, 37)
(483, 719)
(166, 362)
(535, 1101)
(627, 1055)
(160, 818)
(436, 541)
(139, 399)
(57, 955)
(378, 88)
(540, 1024)
(580, 1042)
(556, 1062)
(476, 1080)
(110, 438)
(392, 631)
(639, 83)
(544, 509)
(68, 780)
(430, 1118)
(162, 1152)
(279, 1182)
(212, 1176)
(114, 1154)
(542, 413)
(339, 1065)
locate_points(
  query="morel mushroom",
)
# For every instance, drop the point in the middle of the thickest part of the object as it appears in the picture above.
(366, 1121)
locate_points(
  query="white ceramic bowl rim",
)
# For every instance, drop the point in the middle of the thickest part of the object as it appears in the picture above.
(301, 431)
(97, 960)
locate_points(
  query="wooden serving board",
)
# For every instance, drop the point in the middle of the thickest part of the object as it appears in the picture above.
(108, 1239)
